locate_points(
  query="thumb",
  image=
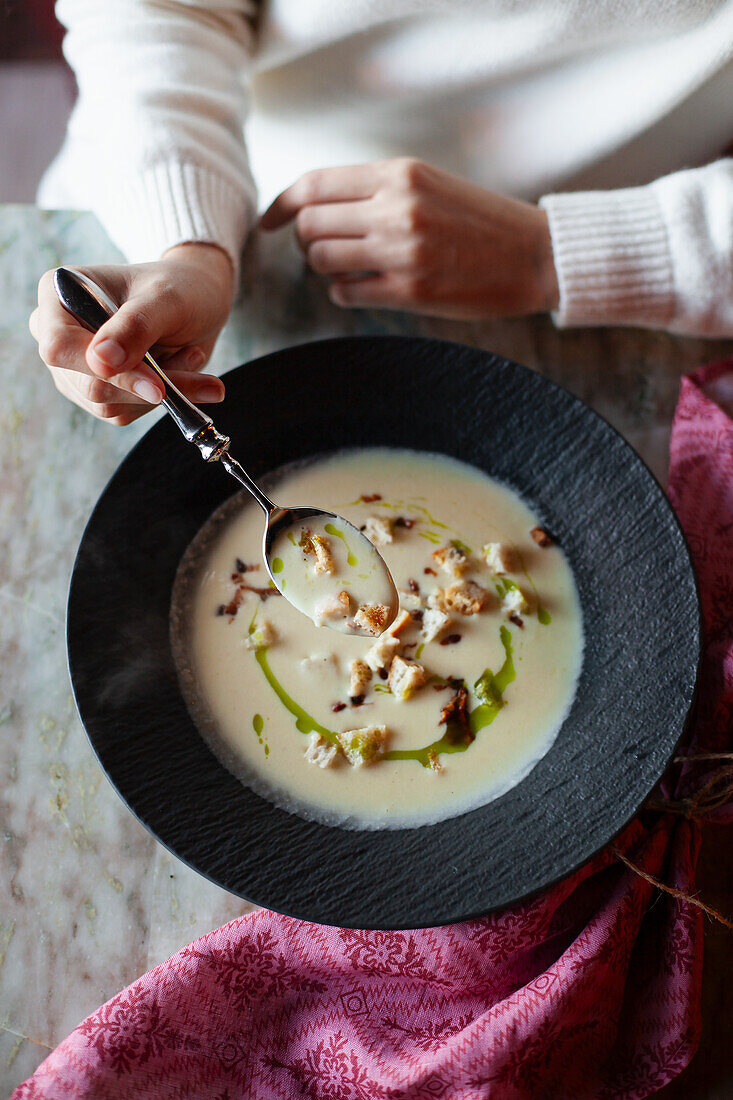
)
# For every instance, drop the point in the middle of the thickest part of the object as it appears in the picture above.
(121, 343)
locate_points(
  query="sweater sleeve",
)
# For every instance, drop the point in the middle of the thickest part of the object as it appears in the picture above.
(659, 256)
(155, 145)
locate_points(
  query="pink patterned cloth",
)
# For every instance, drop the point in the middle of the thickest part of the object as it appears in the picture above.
(587, 990)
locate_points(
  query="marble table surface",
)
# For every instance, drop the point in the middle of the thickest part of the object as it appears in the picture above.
(88, 899)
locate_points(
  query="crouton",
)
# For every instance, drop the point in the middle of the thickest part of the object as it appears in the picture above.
(451, 560)
(372, 618)
(380, 654)
(261, 637)
(410, 601)
(363, 746)
(499, 558)
(320, 752)
(403, 620)
(434, 622)
(514, 602)
(465, 597)
(324, 557)
(541, 537)
(333, 607)
(378, 529)
(405, 677)
(436, 599)
(359, 676)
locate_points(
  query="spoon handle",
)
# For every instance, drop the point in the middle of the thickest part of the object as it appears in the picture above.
(91, 307)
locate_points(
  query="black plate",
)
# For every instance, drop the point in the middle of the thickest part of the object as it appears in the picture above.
(633, 572)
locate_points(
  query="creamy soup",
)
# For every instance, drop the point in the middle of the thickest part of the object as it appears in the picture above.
(445, 710)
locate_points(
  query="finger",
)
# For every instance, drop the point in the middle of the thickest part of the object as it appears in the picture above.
(122, 342)
(61, 340)
(187, 359)
(323, 185)
(389, 291)
(336, 219)
(202, 389)
(340, 257)
(206, 388)
(104, 400)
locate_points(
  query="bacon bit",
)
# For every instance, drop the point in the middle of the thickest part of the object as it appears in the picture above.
(357, 700)
(413, 586)
(244, 567)
(369, 498)
(417, 614)
(263, 593)
(455, 714)
(336, 707)
(234, 604)
(541, 537)
(451, 639)
(514, 618)
(452, 682)
(383, 674)
(430, 572)
(221, 609)
(402, 522)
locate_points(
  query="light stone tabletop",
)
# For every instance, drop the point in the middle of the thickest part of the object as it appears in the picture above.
(88, 899)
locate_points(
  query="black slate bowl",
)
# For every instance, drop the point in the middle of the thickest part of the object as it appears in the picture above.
(633, 572)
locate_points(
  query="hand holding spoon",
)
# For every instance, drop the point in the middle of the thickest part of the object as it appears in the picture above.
(319, 561)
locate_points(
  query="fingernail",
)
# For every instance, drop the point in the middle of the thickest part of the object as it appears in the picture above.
(147, 391)
(110, 353)
(209, 393)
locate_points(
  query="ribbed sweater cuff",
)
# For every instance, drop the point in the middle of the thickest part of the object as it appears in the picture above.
(173, 203)
(612, 258)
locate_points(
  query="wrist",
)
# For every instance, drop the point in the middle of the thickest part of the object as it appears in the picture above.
(209, 258)
(546, 281)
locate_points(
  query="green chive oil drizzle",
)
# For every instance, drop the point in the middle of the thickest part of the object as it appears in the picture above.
(543, 615)
(304, 722)
(330, 529)
(277, 565)
(258, 725)
(490, 688)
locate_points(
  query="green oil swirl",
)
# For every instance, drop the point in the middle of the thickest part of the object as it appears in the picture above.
(330, 529)
(258, 725)
(304, 722)
(489, 687)
(492, 687)
(277, 565)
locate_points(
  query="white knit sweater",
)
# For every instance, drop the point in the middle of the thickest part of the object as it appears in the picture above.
(539, 98)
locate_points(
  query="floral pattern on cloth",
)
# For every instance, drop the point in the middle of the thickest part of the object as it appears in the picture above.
(586, 990)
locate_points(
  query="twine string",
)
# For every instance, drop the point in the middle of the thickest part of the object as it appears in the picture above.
(715, 792)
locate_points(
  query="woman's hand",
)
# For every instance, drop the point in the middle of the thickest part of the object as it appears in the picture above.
(401, 234)
(175, 306)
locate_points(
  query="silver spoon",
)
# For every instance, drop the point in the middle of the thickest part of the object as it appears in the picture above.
(288, 527)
